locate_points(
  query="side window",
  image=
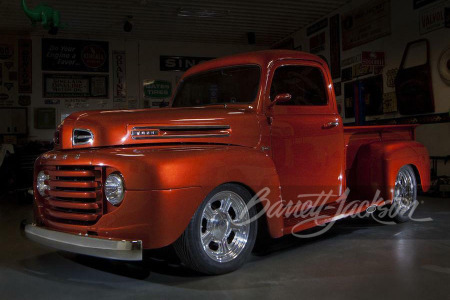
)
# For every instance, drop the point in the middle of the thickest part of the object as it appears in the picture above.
(304, 83)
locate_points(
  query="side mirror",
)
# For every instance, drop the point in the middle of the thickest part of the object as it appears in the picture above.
(280, 98)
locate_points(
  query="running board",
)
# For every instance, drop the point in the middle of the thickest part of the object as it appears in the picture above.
(331, 212)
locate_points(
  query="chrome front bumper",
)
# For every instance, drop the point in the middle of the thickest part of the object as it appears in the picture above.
(87, 245)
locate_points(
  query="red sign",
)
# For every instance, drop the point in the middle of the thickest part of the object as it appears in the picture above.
(25, 65)
(375, 59)
(93, 56)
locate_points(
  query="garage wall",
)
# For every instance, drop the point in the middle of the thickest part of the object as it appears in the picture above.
(404, 28)
(142, 62)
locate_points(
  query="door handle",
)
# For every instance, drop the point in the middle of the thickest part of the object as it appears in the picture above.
(330, 125)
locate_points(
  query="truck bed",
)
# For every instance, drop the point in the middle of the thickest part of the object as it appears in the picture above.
(356, 136)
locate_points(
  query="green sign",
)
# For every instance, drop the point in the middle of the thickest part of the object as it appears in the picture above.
(158, 89)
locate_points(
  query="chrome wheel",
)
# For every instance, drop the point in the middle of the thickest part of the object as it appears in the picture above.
(224, 228)
(405, 189)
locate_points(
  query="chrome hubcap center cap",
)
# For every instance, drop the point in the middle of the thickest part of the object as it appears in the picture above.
(220, 226)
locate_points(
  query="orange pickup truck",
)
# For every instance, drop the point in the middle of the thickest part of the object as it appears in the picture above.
(250, 142)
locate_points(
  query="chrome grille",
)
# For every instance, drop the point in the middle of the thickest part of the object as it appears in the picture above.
(75, 195)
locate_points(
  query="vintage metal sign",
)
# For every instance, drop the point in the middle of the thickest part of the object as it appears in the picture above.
(432, 19)
(72, 85)
(374, 59)
(75, 55)
(158, 89)
(179, 63)
(25, 66)
(119, 76)
(366, 23)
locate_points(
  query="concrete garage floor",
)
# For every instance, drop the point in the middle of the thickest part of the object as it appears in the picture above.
(356, 259)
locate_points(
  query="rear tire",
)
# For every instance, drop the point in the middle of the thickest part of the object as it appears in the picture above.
(405, 194)
(218, 239)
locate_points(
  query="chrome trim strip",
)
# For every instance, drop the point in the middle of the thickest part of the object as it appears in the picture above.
(184, 127)
(180, 136)
(83, 244)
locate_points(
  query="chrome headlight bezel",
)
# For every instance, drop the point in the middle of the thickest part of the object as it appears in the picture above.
(114, 188)
(41, 186)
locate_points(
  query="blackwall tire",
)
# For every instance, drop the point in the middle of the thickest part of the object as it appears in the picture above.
(218, 239)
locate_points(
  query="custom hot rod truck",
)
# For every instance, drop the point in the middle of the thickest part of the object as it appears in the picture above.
(121, 181)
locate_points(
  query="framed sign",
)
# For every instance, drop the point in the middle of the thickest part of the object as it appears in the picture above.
(366, 23)
(75, 86)
(317, 26)
(317, 43)
(157, 89)
(179, 63)
(75, 55)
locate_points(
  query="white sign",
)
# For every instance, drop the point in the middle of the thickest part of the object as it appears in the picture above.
(119, 78)
(432, 19)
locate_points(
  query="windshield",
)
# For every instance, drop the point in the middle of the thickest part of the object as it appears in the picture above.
(237, 84)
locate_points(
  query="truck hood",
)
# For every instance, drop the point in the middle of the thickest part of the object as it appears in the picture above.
(236, 125)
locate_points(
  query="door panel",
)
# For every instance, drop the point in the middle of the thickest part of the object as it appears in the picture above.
(308, 150)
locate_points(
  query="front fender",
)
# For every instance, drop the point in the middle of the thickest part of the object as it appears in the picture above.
(198, 168)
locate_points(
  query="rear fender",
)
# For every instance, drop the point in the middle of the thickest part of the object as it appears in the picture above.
(377, 166)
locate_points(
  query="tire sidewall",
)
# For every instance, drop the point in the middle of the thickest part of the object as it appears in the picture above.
(193, 234)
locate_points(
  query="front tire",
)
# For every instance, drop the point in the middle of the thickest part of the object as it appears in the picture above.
(219, 239)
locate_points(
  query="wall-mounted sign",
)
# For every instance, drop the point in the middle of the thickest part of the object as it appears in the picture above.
(157, 89)
(366, 23)
(389, 102)
(390, 77)
(419, 3)
(371, 58)
(359, 70)
(74, 85)
(119, 76)
(25, 65)
(317, 26)
(6, 51)
(317, 43)
(75, 55)
(351, 60)
(432, 18)
(179, 63)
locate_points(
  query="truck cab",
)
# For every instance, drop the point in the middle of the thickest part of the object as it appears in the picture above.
(250, 140)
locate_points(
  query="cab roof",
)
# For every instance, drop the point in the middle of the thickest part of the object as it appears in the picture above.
(262, 58)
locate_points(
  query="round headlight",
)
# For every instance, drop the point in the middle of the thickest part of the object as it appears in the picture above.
(41, 186)
(114, 190)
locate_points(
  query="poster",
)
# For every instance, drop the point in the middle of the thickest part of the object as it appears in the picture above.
(317, 43)
(75, 85)
(432, 18)
(25, 65)
(335, 47)
(157, 89)
(119, 76)
(75, 55)
(366, 23)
